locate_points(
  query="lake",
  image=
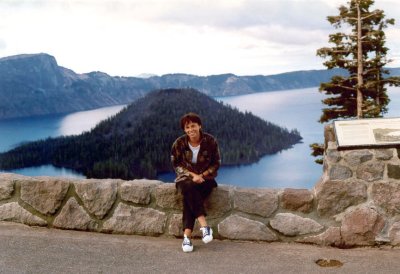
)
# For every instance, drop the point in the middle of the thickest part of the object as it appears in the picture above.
(293, 167)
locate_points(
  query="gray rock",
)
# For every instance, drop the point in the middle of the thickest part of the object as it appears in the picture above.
(356, 157)
(297, 200)
(340, 172)
(138, 191)
(13, 212)
(6, 185)
(332, 155)
(394, 234)
(167, 196)
(334, 197)
(384, 154)
(370, 171)
(73, 216)
(238, 228)
(136, 220)
(386, 195)
(175, 226)
(393, 171)
(45, 194)
(360, 226)
(97, 195)
(262, 202)
(330, 237)
(219, 201)
(292, 225)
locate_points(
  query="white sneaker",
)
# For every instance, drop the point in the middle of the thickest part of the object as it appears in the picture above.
(207, 234)
(187, 245)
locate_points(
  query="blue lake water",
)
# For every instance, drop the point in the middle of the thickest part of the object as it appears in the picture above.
(293, 167)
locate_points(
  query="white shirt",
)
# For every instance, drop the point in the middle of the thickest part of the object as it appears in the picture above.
(195, 153)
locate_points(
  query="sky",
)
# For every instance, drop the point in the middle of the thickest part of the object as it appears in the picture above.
(201, 37)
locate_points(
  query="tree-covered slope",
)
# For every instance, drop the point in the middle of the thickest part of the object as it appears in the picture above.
(136, 142)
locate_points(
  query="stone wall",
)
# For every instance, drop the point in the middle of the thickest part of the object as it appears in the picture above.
(356, 203)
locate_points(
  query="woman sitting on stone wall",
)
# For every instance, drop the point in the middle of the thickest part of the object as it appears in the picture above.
(196, 159)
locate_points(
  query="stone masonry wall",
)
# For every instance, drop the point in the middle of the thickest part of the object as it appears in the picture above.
(355, 203)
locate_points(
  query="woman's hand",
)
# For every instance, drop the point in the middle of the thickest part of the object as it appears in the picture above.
(197, 178)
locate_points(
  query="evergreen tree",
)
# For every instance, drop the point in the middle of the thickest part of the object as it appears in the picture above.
(360, 49)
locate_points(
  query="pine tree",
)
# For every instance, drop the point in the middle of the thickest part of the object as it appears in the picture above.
(360, 49)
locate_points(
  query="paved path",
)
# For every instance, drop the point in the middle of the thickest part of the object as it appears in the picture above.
(40, 250)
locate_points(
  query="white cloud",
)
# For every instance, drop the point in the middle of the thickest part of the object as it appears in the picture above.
(129, 37)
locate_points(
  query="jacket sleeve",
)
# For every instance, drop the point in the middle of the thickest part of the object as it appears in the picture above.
(177, 160)
(215, 160)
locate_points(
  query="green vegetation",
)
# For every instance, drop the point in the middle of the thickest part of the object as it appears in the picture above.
(360, 49)
(136, 142)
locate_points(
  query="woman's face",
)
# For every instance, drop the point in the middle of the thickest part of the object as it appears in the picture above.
(192, 130)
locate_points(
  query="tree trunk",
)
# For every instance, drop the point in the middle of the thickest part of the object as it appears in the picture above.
(360, 79)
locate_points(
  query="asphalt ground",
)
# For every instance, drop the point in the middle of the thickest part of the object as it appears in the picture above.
(26, 249)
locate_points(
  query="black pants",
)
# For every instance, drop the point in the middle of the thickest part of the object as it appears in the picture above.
(193, 200)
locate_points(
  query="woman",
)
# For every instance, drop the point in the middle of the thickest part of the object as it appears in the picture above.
(196, 159)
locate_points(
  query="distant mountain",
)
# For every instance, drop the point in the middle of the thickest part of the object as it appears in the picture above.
(137, 141)
(34, 84)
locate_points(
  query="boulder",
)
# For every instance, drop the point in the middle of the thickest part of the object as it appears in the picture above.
(136, 220)
(219, 201)
(356, 157)
(386, 195)
(340, 172)
(236, 227)
(98, 196)
(175, 227)
(138, 191)
(6, 185)
(334, 197)
(394, 234)
(262, 202)
(168, 197)
(360, 226)
(45, 194)
(292, 225)
(384, 154)
(371, 171)
(297, 200)
(73, 216)
(13, 212)
(330, 237)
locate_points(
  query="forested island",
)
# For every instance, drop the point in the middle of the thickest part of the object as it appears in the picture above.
(136, 142)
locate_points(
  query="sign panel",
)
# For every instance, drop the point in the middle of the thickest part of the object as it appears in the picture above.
(367, 132)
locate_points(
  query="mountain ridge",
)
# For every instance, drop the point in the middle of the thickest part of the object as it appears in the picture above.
(34, 84)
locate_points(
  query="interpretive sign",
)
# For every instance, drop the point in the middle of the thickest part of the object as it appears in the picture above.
(367, 132)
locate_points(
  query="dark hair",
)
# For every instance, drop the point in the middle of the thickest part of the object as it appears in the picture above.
(190, 117)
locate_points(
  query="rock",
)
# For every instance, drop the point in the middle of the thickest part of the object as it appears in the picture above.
(384, 154)
(394, 234)
(6, 185)
(370, 171)
(136, 220)
(339, 172)
(219, 201)
(73, 216)
(138, 191)
(236, 227)
(387, 196)
(262, 202)
(331, 237)
(45, 194)
(360, 226)
(13, 212)
(297, 200)
(167, 196)
(393, 171)
(292, 225)
(332, 155)
(175, 227)
(329, 133)
(97, 195)
(356, 157)
(334, 197)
